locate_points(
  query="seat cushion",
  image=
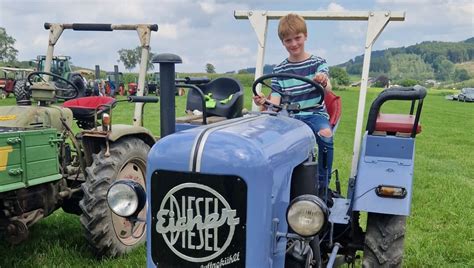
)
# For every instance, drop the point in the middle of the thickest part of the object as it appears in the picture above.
(402, 123)
(333, 106)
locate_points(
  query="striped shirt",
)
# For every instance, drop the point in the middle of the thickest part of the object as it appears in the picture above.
(307, 68)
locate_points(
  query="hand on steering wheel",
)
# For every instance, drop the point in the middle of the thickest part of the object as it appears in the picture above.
(261, 80)
(68, 93)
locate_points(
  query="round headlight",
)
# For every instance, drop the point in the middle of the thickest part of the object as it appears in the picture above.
(307, 215)
(123, 198)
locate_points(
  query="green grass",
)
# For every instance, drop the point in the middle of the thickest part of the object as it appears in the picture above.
(440, 230)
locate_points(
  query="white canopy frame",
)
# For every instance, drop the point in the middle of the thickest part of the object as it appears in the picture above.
(377, 20)
(144, 35)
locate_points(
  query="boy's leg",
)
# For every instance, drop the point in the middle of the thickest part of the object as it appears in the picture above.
(325, 142)
(324, 138)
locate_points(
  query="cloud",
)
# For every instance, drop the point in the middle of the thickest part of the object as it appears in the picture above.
(234, 51)
(168, 31)
(391, 43)
(203, 31)
(208, 7)
(335, 7)
(351, 49)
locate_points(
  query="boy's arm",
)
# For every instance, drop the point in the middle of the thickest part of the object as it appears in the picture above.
(328, 86)
(260, 100)
(323, 79)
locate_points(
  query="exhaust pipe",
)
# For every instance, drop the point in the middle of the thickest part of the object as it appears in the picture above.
(167, 63)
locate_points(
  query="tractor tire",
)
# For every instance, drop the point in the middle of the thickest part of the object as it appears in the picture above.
(109, 235)
(22, 94)
(384, 240)
(78, 81)
(4, 94)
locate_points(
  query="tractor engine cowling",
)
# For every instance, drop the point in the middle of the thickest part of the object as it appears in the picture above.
(219, 193)
(34, 117)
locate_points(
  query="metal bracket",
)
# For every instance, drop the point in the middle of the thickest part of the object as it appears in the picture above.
(144, 34)
(54, 33)
(259, 22)
(377, 22)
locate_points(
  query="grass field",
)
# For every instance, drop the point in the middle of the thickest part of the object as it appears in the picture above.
(440, 230)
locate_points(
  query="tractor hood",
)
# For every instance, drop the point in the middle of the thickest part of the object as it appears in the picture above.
(238, 169)
(29, 117)
(235, 147)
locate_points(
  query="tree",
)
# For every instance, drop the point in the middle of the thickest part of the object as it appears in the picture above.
(151, 55)
(409, 66)
(7, 52)
(131, 57)
(339, 76)
(408, 82)
(445, 70)
(210, 69)
(461, 75)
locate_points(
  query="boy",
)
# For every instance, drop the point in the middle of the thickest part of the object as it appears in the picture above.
(293, 34)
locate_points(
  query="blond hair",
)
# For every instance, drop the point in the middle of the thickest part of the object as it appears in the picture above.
(291, 24)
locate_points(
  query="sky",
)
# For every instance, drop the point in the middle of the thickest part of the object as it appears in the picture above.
(205, 31)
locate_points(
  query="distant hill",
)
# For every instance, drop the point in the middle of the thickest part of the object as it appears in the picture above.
(443, 61)
(267, 69)
(428, 60)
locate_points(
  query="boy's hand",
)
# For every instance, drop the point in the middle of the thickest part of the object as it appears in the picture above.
(321, 78)
(260, 99)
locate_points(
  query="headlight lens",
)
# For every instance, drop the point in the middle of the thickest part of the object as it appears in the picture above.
(122, 199)
(307, 215)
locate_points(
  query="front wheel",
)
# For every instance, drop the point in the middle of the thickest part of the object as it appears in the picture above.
(384, 240)
(107, 233)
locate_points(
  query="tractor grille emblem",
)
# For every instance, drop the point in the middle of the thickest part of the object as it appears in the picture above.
(194, 217)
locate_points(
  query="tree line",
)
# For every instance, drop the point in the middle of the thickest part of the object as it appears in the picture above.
(427, 60)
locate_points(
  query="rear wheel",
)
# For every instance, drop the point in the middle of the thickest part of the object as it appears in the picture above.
(78, 81)
(384, 240)
(20, 91)
(107, 233)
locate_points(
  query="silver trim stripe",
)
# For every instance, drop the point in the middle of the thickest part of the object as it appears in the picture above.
(204, 135)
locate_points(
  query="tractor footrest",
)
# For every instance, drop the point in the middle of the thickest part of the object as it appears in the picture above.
(339, 211)
(187, 118)
(197, 119)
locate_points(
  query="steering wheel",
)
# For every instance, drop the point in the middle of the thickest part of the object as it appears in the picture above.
(261, 80)
(67, 93)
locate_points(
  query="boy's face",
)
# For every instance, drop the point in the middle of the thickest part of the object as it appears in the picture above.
(294, 44)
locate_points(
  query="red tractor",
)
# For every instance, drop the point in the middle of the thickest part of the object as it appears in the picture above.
(9, 77)
(133, 86)
(114, 84)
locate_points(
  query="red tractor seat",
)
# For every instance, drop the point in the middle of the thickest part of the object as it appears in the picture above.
(393, 123)
(84, 108)
(334, 108)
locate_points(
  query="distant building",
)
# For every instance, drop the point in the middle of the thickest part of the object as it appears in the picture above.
(432, 82)
(369, 82)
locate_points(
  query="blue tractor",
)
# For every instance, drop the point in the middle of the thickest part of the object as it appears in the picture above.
(243, 192)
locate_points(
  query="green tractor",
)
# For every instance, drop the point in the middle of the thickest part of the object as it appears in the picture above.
(61, 66)
(45, 166)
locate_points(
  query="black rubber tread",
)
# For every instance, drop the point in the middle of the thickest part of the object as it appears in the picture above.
(384, 239)
(78, 81)
(20, 90)
(97, 217)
